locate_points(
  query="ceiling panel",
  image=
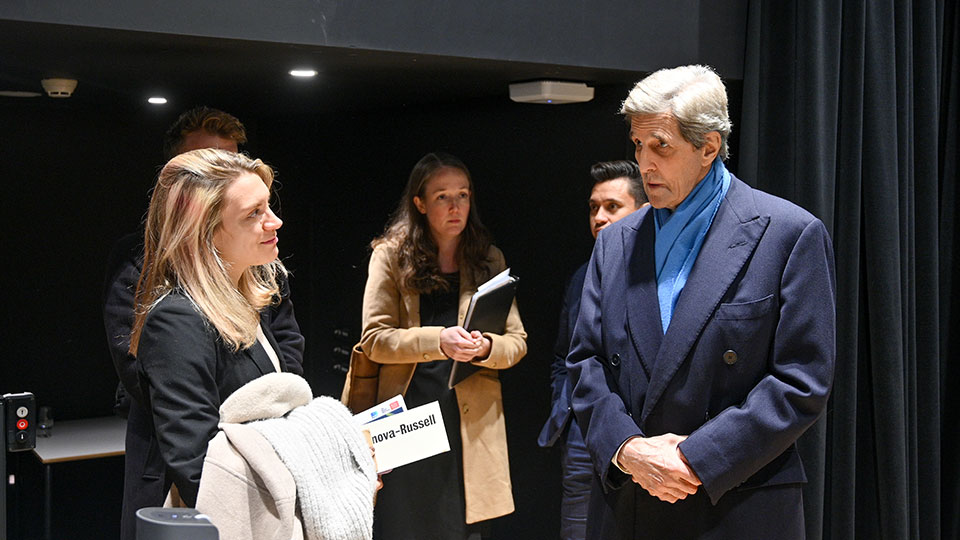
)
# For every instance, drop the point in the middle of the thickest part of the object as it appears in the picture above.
(123, 68)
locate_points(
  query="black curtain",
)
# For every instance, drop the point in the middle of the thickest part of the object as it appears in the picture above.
(850, 110)
(949, 272)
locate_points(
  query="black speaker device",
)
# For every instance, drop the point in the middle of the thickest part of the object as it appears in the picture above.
(174, 524)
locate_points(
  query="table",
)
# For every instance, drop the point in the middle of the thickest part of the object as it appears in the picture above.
(75, 440)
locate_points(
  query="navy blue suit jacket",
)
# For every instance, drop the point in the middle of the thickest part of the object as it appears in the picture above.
(561, 412)
(744, 368)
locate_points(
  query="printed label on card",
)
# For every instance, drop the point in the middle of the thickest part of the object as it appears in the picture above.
(410, 436)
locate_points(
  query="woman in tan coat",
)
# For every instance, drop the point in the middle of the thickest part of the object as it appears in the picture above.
(423, 271)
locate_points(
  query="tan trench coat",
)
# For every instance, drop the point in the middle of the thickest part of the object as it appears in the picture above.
(392, 336)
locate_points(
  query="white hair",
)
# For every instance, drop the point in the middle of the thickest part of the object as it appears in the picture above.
(694, 95)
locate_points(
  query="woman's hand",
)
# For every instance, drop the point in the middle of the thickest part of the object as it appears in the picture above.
(463, 346)
(373, 454)
(485, 344)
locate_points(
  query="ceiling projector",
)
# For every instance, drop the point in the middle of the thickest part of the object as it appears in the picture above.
(553, 92)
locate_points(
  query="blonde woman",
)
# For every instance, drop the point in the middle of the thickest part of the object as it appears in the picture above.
(423, 271)
(210, 265)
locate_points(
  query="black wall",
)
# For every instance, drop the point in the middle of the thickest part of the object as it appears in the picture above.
(76, 180)
(342, 176)
(76, 175)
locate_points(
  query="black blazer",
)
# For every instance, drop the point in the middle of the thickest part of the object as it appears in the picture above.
(185, 372)
(123, 271)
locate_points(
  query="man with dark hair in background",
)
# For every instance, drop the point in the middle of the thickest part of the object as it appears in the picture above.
(617, 192)
(200, 127)
(203, 127)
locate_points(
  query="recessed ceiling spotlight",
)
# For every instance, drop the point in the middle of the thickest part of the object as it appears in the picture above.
(303, 72)
(157, 100)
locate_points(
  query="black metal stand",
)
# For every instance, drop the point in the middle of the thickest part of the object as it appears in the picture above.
(19, 434)
(3, 469)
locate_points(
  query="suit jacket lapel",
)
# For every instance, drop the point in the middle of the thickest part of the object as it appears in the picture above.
(260, 358)
(466, 294)
(276, 348)
(734, 234)
(643, 308)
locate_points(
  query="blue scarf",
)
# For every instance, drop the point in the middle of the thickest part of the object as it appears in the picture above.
(680, 234)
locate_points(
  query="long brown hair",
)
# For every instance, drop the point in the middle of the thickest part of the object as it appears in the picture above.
(409, 232)
(179, 253)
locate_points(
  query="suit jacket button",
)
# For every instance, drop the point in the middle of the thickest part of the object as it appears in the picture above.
(426, 356)
(466, 408)
(615, 360)
(730, 357)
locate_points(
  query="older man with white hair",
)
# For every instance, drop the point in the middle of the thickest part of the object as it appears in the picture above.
(705, 342)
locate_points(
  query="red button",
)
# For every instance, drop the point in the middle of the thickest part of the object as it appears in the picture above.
(22, 423)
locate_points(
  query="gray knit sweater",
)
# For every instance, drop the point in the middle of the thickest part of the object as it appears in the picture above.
(321, 446)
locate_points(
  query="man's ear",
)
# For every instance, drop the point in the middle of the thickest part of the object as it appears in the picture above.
(418, 202)
(710, 148)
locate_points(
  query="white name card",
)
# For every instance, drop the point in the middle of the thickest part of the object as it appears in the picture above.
(409, 436)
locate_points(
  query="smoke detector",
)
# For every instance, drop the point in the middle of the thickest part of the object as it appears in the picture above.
(59, 88)
(550, 92)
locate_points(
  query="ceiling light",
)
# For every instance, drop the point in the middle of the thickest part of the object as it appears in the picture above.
(157, 100)
(303, 72)
(552, 92)
(19, 93)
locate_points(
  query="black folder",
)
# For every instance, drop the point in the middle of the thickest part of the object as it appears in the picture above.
(488, 311)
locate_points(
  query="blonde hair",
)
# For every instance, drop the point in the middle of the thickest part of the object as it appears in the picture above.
(179, 253)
